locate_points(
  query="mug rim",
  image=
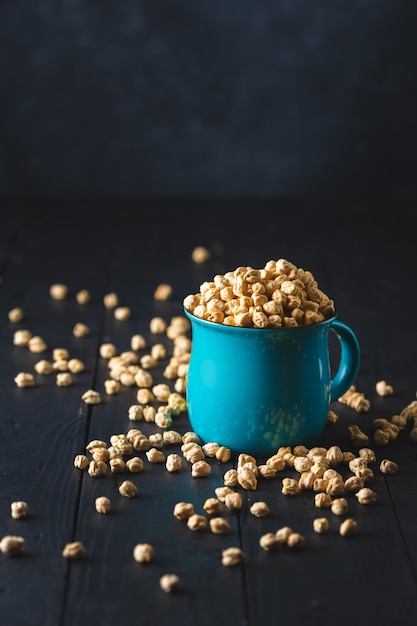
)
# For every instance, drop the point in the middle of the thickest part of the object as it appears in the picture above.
(251, 329)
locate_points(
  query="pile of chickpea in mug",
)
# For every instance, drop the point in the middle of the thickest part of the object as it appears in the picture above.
(279, 294)
(331, 474)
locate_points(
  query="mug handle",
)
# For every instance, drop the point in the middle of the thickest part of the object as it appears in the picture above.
(349, 360)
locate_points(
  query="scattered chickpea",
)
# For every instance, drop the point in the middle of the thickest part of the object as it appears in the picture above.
(321, 525)
(117, 465)
(142, 443)
(295, 540)
(368, 454)
(157, 440)
(134, 465)
(21, 337)
(219, 525)
(74, 550)
(232, 556)
(16, 314)
(247, 479)
(161, 391)
(335, 486)
(102, 504)
(58, 291)
(192, 452)
(81, 461)
(122, 313)
(24, 379)
(157, 325)
(148, 362)
(138, 342)
(37, 344)
(171, 437)
(169, 582)
(355, 400)
(383, 389)
(210, 448)
(357, 436)
(190, 437)
(121, 443)
(353, 484)
(64, 379)
(97, 468)
(144, 396)
(111, 387)
(108, 350)
(290, 486)
(60, 366)
(12, 544)
(320, 485)
(366, 496)
(163, 292)
(200, 469)
(143, 379)
(177, 403)
(76, 366)
(128, 489)
(259, 509)
(222, 492)
(385, 427)
(95, 443)
(388, 467)
(230, 477)
(306, 480)
(143, 552)
(135, 412)
(91, 397)
(183, 510)
(348, 527)
(276, 461)
(59, 354)
(81, 330)
(283, 533)
(322, 500)
(357, 463)
(83, 296)
(233, 501)
(302, 464)
(365, 474)
(19, 509)
(197, 521)
(163, 417)
(173, 462)
(111, 300)
(200, 254)
(339, 506)
(223, 454)
(101, 454)
(332, 417)
(158, 351)
(266, 471)
(155, 456)
(213, 506)
(269, 542)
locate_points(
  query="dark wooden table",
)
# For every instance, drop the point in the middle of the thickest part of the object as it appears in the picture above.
(364, 258)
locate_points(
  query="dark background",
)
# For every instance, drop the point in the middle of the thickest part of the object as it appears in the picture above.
(239, 98)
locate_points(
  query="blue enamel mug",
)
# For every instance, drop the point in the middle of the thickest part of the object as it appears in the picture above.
(255, 390)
